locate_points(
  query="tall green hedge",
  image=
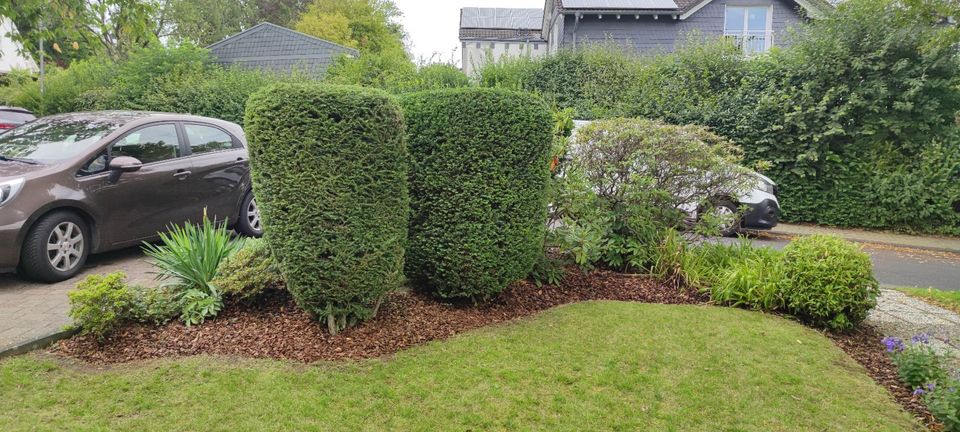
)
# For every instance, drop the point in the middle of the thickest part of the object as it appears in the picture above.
(330, 176)
(477, 185)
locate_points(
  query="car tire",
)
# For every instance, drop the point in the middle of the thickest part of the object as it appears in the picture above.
(56, 247)
(727, 207)
(249, 223)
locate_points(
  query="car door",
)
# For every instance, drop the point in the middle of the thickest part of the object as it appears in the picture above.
(137, 205)
(220, 171)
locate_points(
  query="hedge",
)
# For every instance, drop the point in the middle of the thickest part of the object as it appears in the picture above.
(478, 188)
(330, 169)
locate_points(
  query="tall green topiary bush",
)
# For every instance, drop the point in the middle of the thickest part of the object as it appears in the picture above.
(478, 188)
(330, 170)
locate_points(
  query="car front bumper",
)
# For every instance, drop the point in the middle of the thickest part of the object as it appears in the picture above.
(762, 215)
(9, 249)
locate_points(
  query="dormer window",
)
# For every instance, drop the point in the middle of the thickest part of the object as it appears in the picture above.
(750, 27)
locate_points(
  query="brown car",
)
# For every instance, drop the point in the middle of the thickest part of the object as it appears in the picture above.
(76, 184)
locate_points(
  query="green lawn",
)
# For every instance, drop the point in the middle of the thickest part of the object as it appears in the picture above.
(589, 366)
(945, 299)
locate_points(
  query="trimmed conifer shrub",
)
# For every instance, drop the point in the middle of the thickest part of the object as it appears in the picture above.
(329, 171)
(480, 165)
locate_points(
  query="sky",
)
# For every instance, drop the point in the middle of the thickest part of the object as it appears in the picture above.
(433, 25)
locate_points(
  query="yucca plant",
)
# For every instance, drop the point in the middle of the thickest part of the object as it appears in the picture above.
(188, 256)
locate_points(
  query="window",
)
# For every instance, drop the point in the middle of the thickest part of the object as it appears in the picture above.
(506, 46)
(749, 27)
(493, 45)
(478, 45)
(536, 46)
(206, 139)
(150, 144)
(96, 165)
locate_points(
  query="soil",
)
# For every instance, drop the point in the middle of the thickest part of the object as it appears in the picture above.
(866, 347)
(275, 327)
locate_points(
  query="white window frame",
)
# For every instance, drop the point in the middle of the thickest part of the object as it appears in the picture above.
(767, 33)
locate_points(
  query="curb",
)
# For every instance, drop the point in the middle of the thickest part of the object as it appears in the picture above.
(866, 241)
(35, 344)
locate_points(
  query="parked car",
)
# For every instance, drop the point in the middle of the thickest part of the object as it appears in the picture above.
(760, 205)
(11, 117)
(76, 184)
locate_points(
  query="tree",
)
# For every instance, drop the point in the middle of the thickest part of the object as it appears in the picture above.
(204, 22)
(368, 25)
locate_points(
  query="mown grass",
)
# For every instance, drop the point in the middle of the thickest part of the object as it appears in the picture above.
(945, 299)
(589, 366)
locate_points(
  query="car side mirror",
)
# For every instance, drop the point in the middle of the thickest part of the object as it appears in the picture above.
(123, 164)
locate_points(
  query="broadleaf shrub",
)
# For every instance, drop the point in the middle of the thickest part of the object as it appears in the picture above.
(828, 282)
(330, 175)
(99, 303)
(478, 188)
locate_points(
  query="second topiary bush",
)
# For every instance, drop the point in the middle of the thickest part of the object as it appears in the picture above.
(330, 175)
(477, 184)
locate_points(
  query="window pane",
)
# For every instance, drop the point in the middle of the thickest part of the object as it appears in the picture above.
(757, 19)
(734, 20)
(150, 144)
(205, 139)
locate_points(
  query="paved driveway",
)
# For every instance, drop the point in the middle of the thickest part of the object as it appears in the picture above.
(30, 310)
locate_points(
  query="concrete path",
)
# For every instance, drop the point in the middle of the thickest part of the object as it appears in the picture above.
(30, 311)
(944, 244)
(903, 316)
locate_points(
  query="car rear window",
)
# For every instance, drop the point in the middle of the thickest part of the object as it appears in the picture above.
(15, 117)
(55, 138)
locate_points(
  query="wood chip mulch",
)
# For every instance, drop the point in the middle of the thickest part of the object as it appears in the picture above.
(276, 328)
(866, 347)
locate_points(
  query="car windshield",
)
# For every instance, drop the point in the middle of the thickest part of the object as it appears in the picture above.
(54, 139)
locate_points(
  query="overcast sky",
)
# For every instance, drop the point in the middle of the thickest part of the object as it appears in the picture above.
(433, 25)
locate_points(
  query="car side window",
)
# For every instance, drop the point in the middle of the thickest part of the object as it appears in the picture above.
(150, 144)
(206, 139)
(96, 165)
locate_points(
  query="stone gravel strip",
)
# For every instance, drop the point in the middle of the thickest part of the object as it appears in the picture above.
(902, 316)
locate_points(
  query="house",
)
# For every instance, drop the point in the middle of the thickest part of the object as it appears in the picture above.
(493, 33)
(271, 47)
(646, 26)
(651, 26)
(11, 57)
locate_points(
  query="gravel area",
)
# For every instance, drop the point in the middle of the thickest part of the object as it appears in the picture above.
(900, 315)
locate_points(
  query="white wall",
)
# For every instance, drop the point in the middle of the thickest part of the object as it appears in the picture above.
(10, 57)
(477, 53)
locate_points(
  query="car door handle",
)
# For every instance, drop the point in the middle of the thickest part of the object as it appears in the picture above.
(182, 174)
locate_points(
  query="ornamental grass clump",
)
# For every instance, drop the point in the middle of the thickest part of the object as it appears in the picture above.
(481, 160)
(330, 176)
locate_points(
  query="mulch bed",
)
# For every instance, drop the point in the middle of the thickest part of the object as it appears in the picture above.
(276, 328)
(866, 347)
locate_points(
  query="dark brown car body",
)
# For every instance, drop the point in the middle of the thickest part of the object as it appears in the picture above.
(126, 209)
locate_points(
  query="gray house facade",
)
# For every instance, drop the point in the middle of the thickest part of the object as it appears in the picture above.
(270, 47)
(656, 26)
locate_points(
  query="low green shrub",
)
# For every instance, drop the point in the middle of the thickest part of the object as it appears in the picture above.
(330, 172)
(248, 272)
(478, 188)
(99, 304)
(753, 282)
(828, 282)
(918, 364)
(196, 306)
(943, 401)
(155, 306)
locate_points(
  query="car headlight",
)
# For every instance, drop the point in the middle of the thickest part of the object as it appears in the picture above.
(9, 189)
(768, 187)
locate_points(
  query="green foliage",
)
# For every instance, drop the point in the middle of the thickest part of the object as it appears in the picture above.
(478, 188)
(752, 281)
(627, 180)
(99, 303)
(330, 174)
(155, 306)
(828, 282)
(435, 76)
(943, 401)
(204, 22)
(64, 90)
(249, 271)
(197, 306)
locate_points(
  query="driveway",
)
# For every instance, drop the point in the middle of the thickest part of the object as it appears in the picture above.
(30, 310)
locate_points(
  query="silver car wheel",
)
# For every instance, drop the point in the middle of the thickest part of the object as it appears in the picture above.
(65, 246)
(727, 215)
(253, 216)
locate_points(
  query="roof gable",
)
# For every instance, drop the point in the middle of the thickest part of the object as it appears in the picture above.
(501, 18)
(619, 4)
(284, 32)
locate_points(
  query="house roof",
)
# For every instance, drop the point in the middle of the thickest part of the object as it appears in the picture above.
(619, 4)
(501, 18)
(272, 47)
(525, 35)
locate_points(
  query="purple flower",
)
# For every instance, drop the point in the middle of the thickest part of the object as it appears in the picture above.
(893, 344)
(921, 338)
(931, 386)
(918, 392)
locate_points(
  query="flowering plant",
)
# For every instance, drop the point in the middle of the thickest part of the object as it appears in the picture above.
(918, 364)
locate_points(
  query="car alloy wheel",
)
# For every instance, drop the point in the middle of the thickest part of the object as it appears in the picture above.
(65, 246)
(253, 216)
